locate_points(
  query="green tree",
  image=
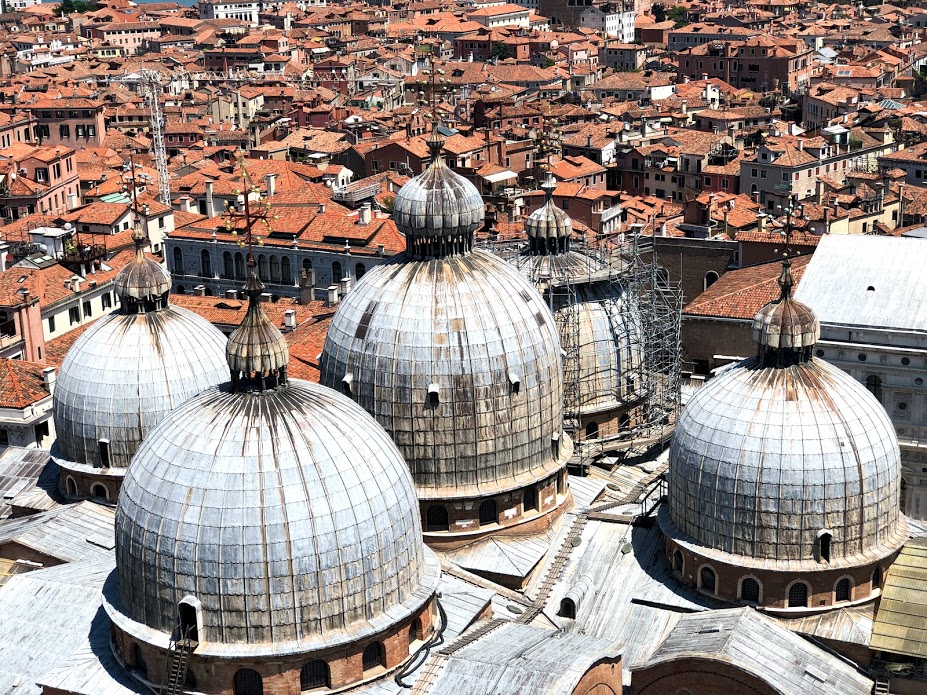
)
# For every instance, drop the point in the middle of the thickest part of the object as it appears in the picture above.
(659, 13)
(679, 15)
(500, 51)
(74, 7)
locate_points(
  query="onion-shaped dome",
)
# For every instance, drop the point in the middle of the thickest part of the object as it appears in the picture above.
(131, 368)
(782, 449)
(439, 209)
(786, 325)
(282, 507)
(549, 228)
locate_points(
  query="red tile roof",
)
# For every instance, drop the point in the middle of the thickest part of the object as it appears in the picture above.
(21, 383)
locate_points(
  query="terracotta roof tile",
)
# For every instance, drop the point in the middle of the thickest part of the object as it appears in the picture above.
(21, 383)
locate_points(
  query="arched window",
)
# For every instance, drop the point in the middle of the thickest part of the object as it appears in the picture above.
(625, 419)
(530, 499)
(262, 268)
(711, 277)
(707, 579)
(337, 273)
(842, 590)
(181, 289)
(248, 682)
(100, 491)
(205, 264)
(824, 543)
(359, 271)
(567, 609)
(178, 261)
(488, 513)
(71, 487)
(750, 590)
(877, 578)
(679, 563)
(228, 268)
(373, 656)
(138, 661)
(798, 595)
(275, 269)
(307, 264)
(592, 430)
(286, 270)
(314, 675)
(436, 518)
(188, 622)
(874, 384)
(239, 266)
(561, 482)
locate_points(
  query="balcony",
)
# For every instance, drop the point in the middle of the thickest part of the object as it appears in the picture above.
(353, 194)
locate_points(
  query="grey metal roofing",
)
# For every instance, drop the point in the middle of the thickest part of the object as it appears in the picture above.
(763, 459)
(438, 203)
(290, 515)
(125, 373)
(47, 615)
(901, 620)
(548, 222)
(836, 281)
(516, 659)
(20, 470)
(756, 644)
(471, 330)
(512, 556)
(68, 533)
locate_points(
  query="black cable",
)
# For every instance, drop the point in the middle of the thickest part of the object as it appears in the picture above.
(436, 640)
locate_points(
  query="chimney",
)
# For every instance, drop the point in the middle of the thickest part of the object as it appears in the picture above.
(271, 180)
(381, 250)
(684, 107)
(49, 377)
(685, 79)
(761, 222)
(704, 77)
(322, 208)
(818, 191)
(199, 290)
(801, 145)
(72, 201)
(289, 318)
(332, 295)
(266, 297)
(662, 229)
(231, 294)
(589, 141)
(75, 284)
(345, 285)
(364, 214)
(210, 201)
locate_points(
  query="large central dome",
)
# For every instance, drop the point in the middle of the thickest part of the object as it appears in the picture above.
(452, 351)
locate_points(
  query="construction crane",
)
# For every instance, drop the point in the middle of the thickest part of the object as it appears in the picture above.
(151, 86)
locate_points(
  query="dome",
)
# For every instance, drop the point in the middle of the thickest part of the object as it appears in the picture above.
(548, 228)
(783, 448)
(459, 359)
(288, 513)
(437, 207)
(131, 368)
(786, 323)
(142, 279)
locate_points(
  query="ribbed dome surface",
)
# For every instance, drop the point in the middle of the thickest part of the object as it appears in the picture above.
(438, 203)
(465, 326)
(765, 458)
(257, 345)
(288, 513)
(786, 324)
(548, 222)
(126, 373)
(142, 279)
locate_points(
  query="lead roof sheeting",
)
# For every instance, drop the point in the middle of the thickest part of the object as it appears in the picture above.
(125, 373)
(289, 513)
(463, 323)
(901, 620)
(69, 533)
(835, 283)
(763, 458)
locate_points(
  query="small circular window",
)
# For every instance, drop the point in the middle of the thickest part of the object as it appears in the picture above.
(919, 381)
(862, 357)
(905, 361)
(902, 406)
(819, 353)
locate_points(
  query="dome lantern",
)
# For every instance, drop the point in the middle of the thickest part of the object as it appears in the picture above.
(439, 210)
(142, 285)
(257, 352)
(785, 330)
(548, 228)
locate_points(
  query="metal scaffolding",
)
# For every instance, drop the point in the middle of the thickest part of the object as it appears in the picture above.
(627, 275)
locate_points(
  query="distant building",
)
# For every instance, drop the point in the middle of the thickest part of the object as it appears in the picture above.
(222, 9)
(615, 21)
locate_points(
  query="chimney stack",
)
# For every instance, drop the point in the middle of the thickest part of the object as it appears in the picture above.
(345, 285)
(332, 295)
(306, 285)
(49, 377)
(72, 201)
(271, 180)
(199, 290)
(364, 214)
(801, 145)
(210, 201)
(684, 107)
(289, 318)
(75, 284)
(818, 191)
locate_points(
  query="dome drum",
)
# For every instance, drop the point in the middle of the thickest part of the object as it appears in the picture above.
(740, 581)
(145, 654)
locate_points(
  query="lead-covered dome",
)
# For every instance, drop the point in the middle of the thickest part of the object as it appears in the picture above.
(131, 368)
(781, 450)
(458, 358)
(279, 507)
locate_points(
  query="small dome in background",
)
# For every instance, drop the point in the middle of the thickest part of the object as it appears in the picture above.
(786, 324)
(549, 228)
(142, 284)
